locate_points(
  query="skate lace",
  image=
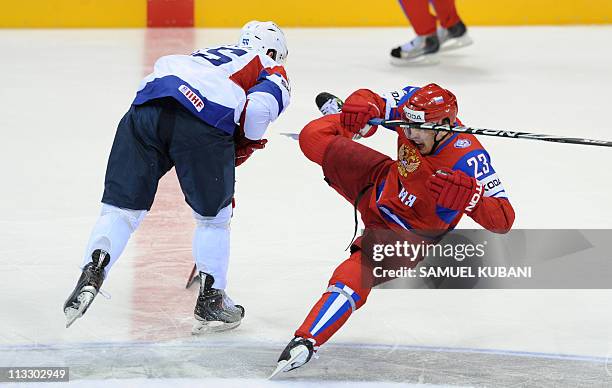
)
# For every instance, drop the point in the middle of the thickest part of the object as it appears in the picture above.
(97, 276)
(95, 279)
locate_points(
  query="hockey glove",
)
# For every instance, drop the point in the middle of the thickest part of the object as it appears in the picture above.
(358, 109)
(245, 148)
(455, 190)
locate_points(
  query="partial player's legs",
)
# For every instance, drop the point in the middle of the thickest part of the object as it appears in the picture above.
(138, 158)
(347, 291)
(106, 243)
(134, 168)
(417, 12)
(351, 169)
(112, 232)
(214, 310)
(204, 161)
(421, 48)
(446, 12)
(211, 245)
(317, 135)
(451, 33)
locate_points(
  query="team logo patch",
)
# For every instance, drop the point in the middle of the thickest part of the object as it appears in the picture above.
(463, 143)
(408, 160)
(192, 97)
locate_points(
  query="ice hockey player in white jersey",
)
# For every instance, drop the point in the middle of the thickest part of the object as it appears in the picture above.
(203, 114)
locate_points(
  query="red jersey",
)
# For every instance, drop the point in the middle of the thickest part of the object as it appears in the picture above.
(402, 198)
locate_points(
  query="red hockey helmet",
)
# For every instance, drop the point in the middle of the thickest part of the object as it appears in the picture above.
(431, 104)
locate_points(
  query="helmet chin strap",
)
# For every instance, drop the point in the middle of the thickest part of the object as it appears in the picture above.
(436, 143)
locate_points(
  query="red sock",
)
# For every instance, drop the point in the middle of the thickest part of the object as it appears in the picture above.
(346, 293)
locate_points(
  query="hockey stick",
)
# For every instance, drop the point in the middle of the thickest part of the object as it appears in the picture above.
(192, 277)
(490, 132)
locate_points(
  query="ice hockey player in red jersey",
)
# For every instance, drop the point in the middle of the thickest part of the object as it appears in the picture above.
(451, 33)
(437, 178)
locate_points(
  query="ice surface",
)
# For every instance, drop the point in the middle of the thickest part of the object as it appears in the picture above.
(62, 93)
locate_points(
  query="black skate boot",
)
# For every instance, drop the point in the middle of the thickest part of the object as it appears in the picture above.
(419, 50)
(328, 103)
(457, 30)
(87, 287)
(454, 37)
(214, 310)
(297, 353)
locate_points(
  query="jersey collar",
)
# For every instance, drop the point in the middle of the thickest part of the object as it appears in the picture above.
(444, 144)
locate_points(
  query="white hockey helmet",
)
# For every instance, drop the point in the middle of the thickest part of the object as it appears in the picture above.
(266, 37)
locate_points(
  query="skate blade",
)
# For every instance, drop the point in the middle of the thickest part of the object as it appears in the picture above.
(205, 327)
(279, 368)
(72, 314)
(423, 60)
(287, 365)
(192, 281)
(456, 43)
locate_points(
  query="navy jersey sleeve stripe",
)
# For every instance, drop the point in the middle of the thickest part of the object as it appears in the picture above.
(267, 86)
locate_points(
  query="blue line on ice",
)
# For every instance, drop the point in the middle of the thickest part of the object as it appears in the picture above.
(229, 344)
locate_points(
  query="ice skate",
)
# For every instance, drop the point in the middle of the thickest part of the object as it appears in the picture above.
(214, 310)
(297, 353)
(454, 37)
(328, 103)
(87, 287)
(419, 51)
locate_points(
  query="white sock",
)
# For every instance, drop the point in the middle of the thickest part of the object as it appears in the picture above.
(211, 243)
(112, 232)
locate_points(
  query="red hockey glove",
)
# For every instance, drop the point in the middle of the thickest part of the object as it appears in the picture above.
(455, 190)
(358, 109)
(245, 148)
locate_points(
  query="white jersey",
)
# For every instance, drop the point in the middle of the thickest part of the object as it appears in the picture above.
(216, 84)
